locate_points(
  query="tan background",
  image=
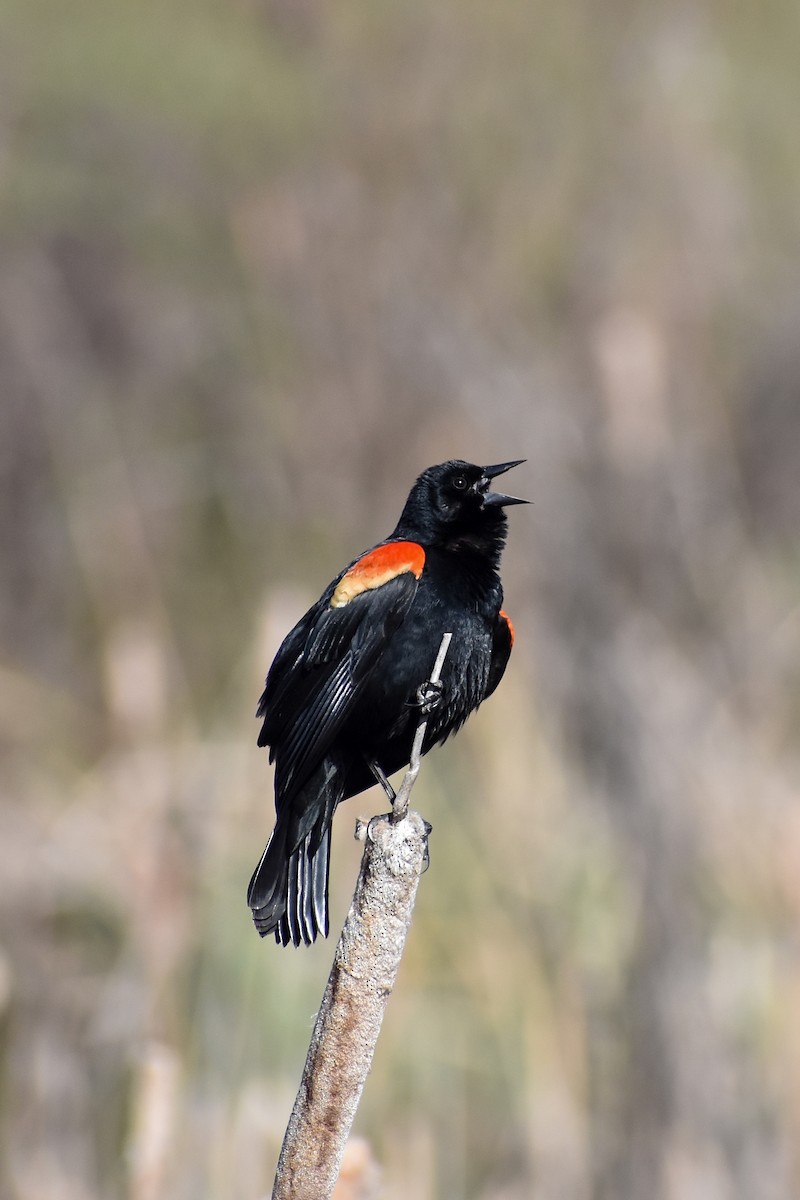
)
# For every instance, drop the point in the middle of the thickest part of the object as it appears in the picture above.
(260, 263)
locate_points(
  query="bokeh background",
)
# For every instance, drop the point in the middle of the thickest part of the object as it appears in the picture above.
(262, 261)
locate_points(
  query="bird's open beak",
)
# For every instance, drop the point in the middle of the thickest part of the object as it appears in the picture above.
(498, 499)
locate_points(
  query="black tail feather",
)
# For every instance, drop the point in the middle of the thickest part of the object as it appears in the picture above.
(266, 893)
(306, 913)
(288, 892)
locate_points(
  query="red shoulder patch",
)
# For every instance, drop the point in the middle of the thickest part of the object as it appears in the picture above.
(510, 625)
(378, 567)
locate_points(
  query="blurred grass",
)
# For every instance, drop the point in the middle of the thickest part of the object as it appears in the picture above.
(264, 261)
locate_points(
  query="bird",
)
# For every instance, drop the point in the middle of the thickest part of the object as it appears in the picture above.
(342, 699)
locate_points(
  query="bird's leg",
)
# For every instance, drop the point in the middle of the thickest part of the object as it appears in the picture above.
(429, 697)
(378, 772)
(400, 807)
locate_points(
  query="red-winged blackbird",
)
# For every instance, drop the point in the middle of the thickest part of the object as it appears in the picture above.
(341, 705)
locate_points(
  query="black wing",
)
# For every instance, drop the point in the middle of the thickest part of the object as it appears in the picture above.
(319, 673)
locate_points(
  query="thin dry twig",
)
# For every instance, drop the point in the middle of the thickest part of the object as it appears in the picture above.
(154, 1117)
(361, 980)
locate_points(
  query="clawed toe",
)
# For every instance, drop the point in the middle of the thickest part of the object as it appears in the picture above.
(429, 697)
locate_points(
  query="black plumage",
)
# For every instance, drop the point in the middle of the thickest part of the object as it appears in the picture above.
(340, 704)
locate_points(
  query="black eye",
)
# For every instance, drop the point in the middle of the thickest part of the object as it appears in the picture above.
(459, 482)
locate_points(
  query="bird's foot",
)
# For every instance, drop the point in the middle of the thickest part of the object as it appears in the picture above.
(429, 697)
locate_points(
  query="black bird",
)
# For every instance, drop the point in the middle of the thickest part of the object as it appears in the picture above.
(341, 706)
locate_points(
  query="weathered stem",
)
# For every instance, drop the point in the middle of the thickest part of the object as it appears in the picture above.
(349, 1020)
(361, 980)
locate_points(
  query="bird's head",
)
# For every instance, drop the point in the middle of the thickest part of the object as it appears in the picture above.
(452, 504)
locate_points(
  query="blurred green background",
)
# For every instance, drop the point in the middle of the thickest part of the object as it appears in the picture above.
(262, 262)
